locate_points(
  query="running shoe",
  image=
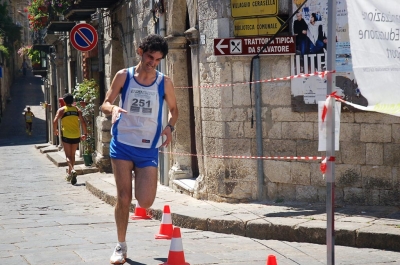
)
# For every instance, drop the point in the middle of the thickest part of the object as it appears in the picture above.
(68, 177)
(119, 255)
(73, 178)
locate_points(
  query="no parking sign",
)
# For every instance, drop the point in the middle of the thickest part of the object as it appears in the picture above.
(83, 37)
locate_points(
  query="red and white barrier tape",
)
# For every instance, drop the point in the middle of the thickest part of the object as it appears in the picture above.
(322, 74)
(251, 157)
(322, 166)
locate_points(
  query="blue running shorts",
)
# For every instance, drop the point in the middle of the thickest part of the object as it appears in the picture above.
(141, 157)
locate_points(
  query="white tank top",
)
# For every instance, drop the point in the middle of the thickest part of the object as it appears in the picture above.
(142, 125)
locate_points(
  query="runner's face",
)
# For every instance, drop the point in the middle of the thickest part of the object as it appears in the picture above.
(150, 60)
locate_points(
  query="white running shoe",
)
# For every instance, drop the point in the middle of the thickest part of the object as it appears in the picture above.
(119, 255)
(73, 177)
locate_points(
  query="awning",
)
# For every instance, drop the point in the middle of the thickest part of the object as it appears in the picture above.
(88, 4)
(59, 26)
(42, 47)
(78, 14)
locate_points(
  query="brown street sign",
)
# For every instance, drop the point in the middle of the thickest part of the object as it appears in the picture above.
(253, 45)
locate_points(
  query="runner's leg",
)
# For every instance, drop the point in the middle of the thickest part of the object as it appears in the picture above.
(70, 150)
(145, 185)
(123, 179)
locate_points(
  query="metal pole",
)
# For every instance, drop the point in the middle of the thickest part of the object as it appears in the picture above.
(164, 158)
(330, 137)
(66, 89)
(260, 162)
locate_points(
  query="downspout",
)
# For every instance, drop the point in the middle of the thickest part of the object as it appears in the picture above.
(259, 133)
(101, 55)
(54, 92)
(164, 158)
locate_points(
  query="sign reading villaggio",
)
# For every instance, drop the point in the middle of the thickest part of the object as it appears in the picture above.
(257, 26)
(243, 8)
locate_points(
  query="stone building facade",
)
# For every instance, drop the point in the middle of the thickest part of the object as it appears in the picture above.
(216, 108)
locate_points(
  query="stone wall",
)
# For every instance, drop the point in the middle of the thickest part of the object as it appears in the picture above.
(366, 164)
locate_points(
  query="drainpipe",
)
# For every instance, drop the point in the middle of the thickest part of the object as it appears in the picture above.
(53, 92)
(260, 162)
(164, 158)
(101, 55)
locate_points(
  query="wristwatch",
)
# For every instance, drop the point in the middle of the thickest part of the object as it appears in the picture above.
(171, 127)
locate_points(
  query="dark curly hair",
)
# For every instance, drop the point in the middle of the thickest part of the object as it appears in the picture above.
(68, 98)
(154, 43)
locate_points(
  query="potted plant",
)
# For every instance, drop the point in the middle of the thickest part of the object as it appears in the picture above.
(85, 94)
(38, 14)
(60, 6)
(34, 56)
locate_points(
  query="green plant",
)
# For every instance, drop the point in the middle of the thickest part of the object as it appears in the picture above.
(4, 50)
(24, 50)
(10, 32)
(85, 94)
(86, 91)
(89, 144)
(34, 56)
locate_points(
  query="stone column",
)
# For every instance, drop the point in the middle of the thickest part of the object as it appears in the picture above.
(193, 35)
(177, 71)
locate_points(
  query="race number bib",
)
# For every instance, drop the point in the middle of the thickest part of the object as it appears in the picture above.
(142, 102)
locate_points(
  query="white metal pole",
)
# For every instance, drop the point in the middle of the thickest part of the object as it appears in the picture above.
(330, 137)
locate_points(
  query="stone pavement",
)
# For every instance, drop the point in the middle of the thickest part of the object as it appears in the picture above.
(355, 226)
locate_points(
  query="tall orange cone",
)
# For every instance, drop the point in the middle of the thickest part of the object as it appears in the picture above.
(271, 260)
(166, 228)
(176, 255)
(140, 213)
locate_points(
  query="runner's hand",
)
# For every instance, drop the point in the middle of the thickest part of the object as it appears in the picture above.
(115, 113)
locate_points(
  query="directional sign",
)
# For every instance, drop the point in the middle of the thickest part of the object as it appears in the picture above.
(252, 46)
(257, 26)
(243, 8)
(83, 37)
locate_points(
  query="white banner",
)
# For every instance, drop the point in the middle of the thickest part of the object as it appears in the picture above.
(374, 30)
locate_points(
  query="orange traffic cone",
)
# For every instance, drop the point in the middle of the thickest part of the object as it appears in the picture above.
(140, 213)
(271, 260)
(166, 228)
(176, 255)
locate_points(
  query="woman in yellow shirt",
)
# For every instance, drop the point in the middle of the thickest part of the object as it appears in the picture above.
(28, 120)
(71, 119)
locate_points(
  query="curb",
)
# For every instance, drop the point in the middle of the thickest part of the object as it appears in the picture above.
(275, 228)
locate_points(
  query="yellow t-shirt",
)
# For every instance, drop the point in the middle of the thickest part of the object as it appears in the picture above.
(28, 116)
(70, 123)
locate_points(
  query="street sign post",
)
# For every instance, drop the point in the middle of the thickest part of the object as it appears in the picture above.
(83, 37)
(253, 45)
(250, 8)
(259, 26)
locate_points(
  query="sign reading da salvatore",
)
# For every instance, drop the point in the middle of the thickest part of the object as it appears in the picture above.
(243, 8)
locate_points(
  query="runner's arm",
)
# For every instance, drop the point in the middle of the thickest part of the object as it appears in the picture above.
(116, 86)
(60, 113)
(170, 99)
